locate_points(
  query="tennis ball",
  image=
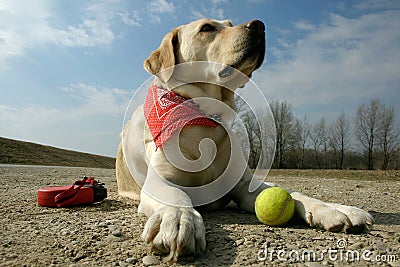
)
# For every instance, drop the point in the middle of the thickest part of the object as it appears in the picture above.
(274, 206)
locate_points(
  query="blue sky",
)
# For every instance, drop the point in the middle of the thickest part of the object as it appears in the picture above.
(69, 68)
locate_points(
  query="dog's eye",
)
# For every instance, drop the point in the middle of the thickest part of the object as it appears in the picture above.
(207, 28)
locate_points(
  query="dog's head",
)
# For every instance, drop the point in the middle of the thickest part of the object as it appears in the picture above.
(240, 47)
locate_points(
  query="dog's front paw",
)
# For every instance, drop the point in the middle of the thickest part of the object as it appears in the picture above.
(339, 218)
(361, 221)
(175, 231)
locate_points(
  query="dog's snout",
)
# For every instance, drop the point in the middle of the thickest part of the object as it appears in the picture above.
(255, 25)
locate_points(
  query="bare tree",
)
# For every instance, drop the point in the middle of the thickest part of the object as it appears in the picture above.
(387, 135)
(255, 129)
(319, 141)
(283, 116)
(339, 139)
(302, 131)
(252, 144)
(375, 129)
(324, 140)
(333, 143)
(396, 160)
(366, 125)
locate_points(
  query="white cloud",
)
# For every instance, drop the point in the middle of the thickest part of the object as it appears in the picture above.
(95, 29)
(28, 24)
(161, 6)
(304, 25)
(22, 24)
(217, 2)
(96, 100)
(109, 10)
(218, 13)
(197, 14)
(259, 1)
(344, 59)
(88, 34)
(214, 12)
(130, 18)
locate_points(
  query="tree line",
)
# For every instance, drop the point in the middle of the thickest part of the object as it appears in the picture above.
(368, 139)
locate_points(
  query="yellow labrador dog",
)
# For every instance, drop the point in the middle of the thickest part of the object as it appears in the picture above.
(174, 226)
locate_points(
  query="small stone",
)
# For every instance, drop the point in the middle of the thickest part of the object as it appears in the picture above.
(80, 255)
(130, 252)
(116, 233)
(293, 248)
(102, 224)
(380, 246)
(131, 260)
(65, 232)
(150, 260)
(239, 242)
(369, 248)
(356, 246)
(313, 264)
(123, 263)
(248, 243)
(112, 227)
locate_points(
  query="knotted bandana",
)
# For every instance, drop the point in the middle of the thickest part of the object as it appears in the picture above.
(166, 112)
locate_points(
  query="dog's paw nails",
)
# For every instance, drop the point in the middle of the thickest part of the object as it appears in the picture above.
(151, 228)
(310, 219)
(175, 231)
(340, 227)
(171, 258)
(334, 217)
(361, 221)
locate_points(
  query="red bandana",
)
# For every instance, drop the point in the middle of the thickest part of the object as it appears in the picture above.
(166, 112)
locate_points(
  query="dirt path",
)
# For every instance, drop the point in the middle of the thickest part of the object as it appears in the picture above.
(108, 234)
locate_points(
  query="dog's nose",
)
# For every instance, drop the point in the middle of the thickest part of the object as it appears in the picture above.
(255, 25)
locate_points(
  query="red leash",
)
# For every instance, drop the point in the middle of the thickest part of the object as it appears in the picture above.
(84, 191)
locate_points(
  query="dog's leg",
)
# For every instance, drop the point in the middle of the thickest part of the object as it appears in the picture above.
(241, 194)
(173, 225)
(127, 186)
(331, 216)
(316, 213)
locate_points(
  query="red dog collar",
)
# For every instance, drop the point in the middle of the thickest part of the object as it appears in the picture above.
(166, 112)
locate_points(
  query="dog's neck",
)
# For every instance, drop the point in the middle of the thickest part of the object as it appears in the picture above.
(195, 90)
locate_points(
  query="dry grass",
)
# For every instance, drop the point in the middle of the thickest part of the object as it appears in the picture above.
(26, 153)
(338, 174)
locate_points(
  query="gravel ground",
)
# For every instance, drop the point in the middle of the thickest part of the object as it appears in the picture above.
(108, 233)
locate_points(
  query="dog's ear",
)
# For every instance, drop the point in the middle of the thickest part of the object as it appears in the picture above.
(164, 57)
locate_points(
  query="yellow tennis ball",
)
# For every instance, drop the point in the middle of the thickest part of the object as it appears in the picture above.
(274, 206)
